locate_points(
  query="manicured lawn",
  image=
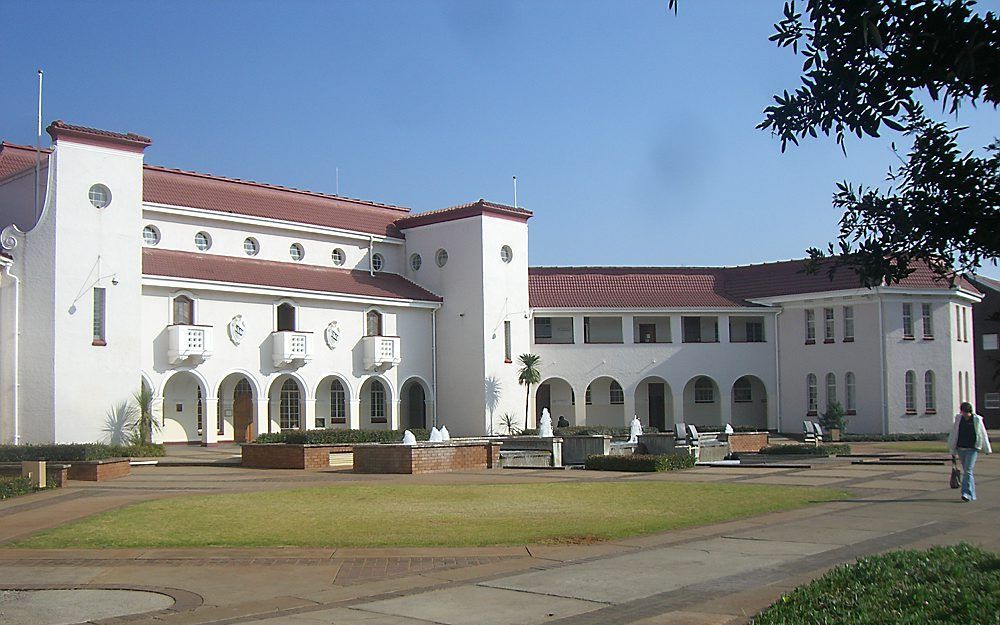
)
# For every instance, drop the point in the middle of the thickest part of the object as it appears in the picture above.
(957, 585)
(421, 516)
(915, 446)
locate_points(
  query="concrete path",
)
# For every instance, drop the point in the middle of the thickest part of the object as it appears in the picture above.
(716, 574)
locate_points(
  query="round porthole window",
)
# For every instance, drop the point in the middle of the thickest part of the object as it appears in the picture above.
(250, 246)
(150, 235)
(378, 262)
(506, 254)
(415, 262)
(441, 258)
(339, 257)
(202, 241)
(100, 195)
(296, 251)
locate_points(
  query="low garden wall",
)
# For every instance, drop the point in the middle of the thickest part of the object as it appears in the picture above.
(427, 457)
(99, 470)
(577, 448)
(289, 455)
(552, 445)
(658, 443)
(55, 474)
(747, 442)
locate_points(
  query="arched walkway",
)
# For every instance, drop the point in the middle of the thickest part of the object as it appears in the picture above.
(557, 395)
(285, 404)
(237, 405)
(605, 401)
(376, 404)
(749, 402)
(702, 404)
(184, 408)
(413, 397)
(654, 403)
(333, 403)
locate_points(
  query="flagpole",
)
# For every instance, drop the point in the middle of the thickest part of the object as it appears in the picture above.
(38, 144)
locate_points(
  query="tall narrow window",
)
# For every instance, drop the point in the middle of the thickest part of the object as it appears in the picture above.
(965, 324)
(958, 323)
(907, 321)
(961, 395)
(288, 405)
(200, 407)
(850, 393)
(617, 395)
(742, 391)
(704, 391)
(848, 324)
(377, 401)
(831, 389)
(910, 383)
(968, 396)
(828, 325)
(506, 342)
(930, 395)
(810, 326)
(811, 394)
(183, 311)
(373, 323)
(286, 318)
(588, 397)
(100, 319)
(338, 403)
(927, 319)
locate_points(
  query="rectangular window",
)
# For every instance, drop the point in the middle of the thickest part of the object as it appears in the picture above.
(100, 320)
(968, 395)
(810, 326)
(828, 325)
(990, 341)
(992, 401)
(930, 393)
(647, 332)
(755, 331)
(850, 393)
(506, 341)
(965, 324)
(907, 321)
(543, 328)
(615, 394)
(927, 318)
(958, 323)
(848, 324)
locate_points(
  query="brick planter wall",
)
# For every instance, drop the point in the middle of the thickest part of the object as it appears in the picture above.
(747, 442)
(99, 470)
(433, 458)
(289, 456)
(56, 471)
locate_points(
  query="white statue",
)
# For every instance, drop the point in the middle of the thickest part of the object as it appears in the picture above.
(545, 424)
(409, 438)
(445, 436)
(634, 430)
(435, 435)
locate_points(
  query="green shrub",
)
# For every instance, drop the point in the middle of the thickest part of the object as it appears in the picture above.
(719, 428)
(956, 584)
(340, 437)
(835, 417)
(82, 451)
(592, 430)
(640, 462)
(807, 450)
(14, 486)
(923, 436)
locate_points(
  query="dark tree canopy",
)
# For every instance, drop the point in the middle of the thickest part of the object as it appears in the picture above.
(867, 65)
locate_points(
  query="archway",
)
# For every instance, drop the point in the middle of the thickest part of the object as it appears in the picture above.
(285, 405)
(654, 403)
(333, 401)
(376, 404)
(702, 404)
(183, 408)
(605, 401)
(236, 408)
(413, 405)
(557, 395)
(749, 399)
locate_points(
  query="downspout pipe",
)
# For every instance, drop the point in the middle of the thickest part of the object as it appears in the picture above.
(434, 363)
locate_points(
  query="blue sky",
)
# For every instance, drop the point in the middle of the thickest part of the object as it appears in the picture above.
(630, 129)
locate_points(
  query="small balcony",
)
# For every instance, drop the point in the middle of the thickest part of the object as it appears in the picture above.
(381, 351)
(291, 348)
(189, 343)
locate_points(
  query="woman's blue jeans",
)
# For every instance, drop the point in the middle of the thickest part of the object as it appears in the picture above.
(968, 458)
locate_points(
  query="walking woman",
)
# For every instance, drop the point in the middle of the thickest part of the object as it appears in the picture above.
(967, 439)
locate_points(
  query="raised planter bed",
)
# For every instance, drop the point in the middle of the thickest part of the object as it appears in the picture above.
(747, 442)
(99, 470)
(658, 444)
(453, 455)
(551, 445)
(54, 472)
(290, 455)
(576, 448)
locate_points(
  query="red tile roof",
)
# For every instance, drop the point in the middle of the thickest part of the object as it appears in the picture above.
(989, 283)
(473, 209)
(216, 268)
(255, 199)
(126, 140)
(17, 158)
(694, 287)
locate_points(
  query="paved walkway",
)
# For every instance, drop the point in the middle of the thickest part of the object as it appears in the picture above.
(709, 575)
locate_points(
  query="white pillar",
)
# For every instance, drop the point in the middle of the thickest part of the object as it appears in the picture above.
(628, 332)
(309, 418)
(209, 421)
(158, 410)
(354, 414)
(723, 328)
(726, 397)
(580, 408)
(259, 414)
(678, 403)
(578, 329)
(629, 408)
(393, 407)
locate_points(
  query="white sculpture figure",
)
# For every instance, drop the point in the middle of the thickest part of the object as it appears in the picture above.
(445, 436)
(409, 438)
(634, 430)
(435, 435)
(545, 424)
(729, 429)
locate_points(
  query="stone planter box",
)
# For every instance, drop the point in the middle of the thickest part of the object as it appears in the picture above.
(553, 445)
(712, 451)
(747, 442)
(99, 470)
(454, 455)
(577, 448)
(289, 456)
(57, 471)
(659, 444)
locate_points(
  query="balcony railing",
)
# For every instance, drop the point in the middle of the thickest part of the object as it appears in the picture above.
(381, 351)
(189, 342)
(291, 348)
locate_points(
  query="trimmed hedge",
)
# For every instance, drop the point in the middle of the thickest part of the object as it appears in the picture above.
(639, 462)
(881, 438)
(718, 428)
(592, 430)
(807, 450)
(957, 584)
(340, 437)
(84, 451)
(14, 486)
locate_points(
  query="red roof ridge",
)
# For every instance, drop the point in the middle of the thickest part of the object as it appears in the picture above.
(59, 127)
(460, 211)
(275, 187)
(18, 146)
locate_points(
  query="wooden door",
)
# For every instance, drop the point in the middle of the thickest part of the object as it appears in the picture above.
(243, 419)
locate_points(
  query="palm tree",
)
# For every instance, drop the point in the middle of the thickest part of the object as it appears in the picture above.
(144, 423)
(527, 375)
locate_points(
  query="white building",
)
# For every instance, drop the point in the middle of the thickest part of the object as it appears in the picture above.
(250, 308)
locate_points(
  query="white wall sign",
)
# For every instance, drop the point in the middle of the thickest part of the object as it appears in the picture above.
(237, 329)
(332, 334)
